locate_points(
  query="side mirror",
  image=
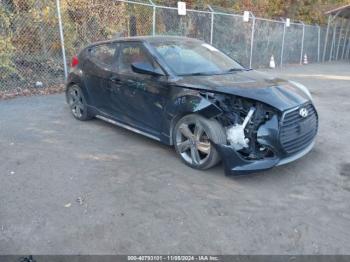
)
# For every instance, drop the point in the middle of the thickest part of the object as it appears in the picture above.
(146, 69)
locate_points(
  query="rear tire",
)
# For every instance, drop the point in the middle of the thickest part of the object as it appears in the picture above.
(191, 137)
(77, 103)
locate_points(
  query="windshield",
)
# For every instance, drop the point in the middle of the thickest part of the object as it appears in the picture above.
(195, 58)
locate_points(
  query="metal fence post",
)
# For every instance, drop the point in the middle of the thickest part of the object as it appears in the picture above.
(302, 44)
(333, 40)
(348, 51)
(283, 37)
(326, 40)
(62, 38)
(153, 18)
(318, 43)
(345, 41)
(212, 28)
(211, 24)
(252, 41)
(154, 21)
(339, 39)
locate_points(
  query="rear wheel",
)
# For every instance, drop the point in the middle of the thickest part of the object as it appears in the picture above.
(192, 138)
(77, 103)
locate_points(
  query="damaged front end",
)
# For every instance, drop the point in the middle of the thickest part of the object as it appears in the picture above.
(253, 135)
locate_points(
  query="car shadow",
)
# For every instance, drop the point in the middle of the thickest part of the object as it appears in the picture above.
(284, 172)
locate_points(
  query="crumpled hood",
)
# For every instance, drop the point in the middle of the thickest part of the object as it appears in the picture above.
(276, 92)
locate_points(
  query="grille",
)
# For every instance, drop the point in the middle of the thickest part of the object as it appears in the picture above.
(297, 132)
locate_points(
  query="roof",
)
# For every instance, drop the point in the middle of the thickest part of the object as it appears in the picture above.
(157, 38)
(151, 39)
(343, 11)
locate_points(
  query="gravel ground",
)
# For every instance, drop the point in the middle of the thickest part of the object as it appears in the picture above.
(71, 187)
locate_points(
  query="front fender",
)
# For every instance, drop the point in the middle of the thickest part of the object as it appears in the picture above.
(192, 103)
(184, 104)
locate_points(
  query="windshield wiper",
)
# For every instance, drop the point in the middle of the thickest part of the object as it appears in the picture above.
(216, 73)
(235, 69)
(199, 74)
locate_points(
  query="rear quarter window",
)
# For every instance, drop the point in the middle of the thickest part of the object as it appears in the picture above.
(105, 54)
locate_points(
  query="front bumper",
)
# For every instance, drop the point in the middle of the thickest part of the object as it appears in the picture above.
(290, 138)
(234, 164)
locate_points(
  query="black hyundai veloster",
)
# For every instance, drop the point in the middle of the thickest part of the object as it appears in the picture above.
(186, 93)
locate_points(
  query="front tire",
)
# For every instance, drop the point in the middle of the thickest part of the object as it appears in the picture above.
(77, 103)
(192, 138)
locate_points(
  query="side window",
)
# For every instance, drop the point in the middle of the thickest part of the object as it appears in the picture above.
(105, 54)
(133, 53)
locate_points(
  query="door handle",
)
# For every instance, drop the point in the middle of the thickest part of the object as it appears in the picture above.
(114, 79)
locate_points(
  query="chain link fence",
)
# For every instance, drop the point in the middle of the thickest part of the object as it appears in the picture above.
(232, 36)
(29, 45)
(268, 41)
(32, 50)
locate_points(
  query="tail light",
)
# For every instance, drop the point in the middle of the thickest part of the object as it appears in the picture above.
(75, 61)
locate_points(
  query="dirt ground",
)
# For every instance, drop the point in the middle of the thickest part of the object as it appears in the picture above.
(71, 187)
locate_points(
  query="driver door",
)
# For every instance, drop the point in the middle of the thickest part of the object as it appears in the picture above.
(140, 97)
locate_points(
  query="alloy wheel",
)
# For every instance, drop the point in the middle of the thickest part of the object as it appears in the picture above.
(75, 100)
(193, 143)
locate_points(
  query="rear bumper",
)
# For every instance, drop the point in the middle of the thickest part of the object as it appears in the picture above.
(234, 164)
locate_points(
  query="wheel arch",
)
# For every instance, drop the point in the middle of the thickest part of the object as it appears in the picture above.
(186, 104)
(78, 82)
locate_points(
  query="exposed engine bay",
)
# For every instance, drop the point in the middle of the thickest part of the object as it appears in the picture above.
(241, 119)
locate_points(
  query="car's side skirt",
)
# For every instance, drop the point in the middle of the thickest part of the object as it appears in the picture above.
(135, 130)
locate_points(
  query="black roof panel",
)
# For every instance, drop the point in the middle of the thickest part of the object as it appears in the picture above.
(150, 39)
